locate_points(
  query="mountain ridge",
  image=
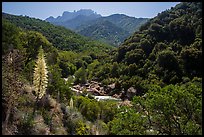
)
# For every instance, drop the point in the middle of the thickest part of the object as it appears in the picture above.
(59, 36)
(66, 15)
(80, 22)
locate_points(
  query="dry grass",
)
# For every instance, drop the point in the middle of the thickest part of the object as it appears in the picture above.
(40, 128)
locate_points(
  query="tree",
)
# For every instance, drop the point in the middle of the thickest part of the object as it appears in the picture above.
(135, 56)
(33, 42)
(91, 68)
(167, 60)
(114, 70)
(172, 110)
(81, 75)
(57, 84)
(146, 46)
(192, 60)
(127, 122)
(10, 36)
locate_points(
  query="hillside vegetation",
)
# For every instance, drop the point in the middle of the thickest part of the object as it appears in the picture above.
(60, 37)
(105, 31)
(156, 74)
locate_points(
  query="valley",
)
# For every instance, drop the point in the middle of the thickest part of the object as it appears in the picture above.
(87, 74)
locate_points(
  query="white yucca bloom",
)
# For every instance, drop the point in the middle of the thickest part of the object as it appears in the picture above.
(40, 78)
(71, 103)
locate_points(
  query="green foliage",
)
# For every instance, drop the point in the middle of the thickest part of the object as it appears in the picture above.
(73, 121)
(127, 122)
(161, 47)
(91, 68)
(28, 70)
(67, 69)
(57, 84)
(171, 109)
(60, 37)
(10, 36)
(88, 108)
(81, 76)
(108, 110)
(93, 110)
(105, 31)
(167, 50)
(192, 58)
(82, 129)
(103, 71)
(167, 60)
(26, 125)
(146, 46)
(114, 70)
(135, 56)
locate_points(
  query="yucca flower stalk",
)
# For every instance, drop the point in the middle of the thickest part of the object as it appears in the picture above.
(40, 78)
(71, 103)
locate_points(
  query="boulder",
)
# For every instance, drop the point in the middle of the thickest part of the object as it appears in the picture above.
(109, 88)
(112, 86)
(125, 103)
(76, 87)
(131, 92)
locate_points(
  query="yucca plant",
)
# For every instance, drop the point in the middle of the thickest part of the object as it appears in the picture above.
(40, 78)
(71, 103)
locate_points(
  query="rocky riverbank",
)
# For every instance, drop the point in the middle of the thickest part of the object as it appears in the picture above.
(97, 89)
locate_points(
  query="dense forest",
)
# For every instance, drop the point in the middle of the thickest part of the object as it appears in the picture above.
(52, 78)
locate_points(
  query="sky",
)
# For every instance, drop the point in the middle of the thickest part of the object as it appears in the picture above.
(43, 10)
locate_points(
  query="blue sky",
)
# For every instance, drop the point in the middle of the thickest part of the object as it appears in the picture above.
(43, 10)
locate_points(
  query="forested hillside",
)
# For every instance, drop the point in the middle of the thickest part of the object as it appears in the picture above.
(60, 37)
(54, 81)
(130, 24)
(20, 51)
(113, 29)
(162, 62)
(106, 32)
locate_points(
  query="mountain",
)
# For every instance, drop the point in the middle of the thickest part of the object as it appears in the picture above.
(81, 23)
(130, 24)
(105, 31)
(60, 37)
(71, 15)
(75, 22)
(71, 20)
(120, 26)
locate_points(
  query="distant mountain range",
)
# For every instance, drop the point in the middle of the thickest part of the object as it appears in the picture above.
(113, 29)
